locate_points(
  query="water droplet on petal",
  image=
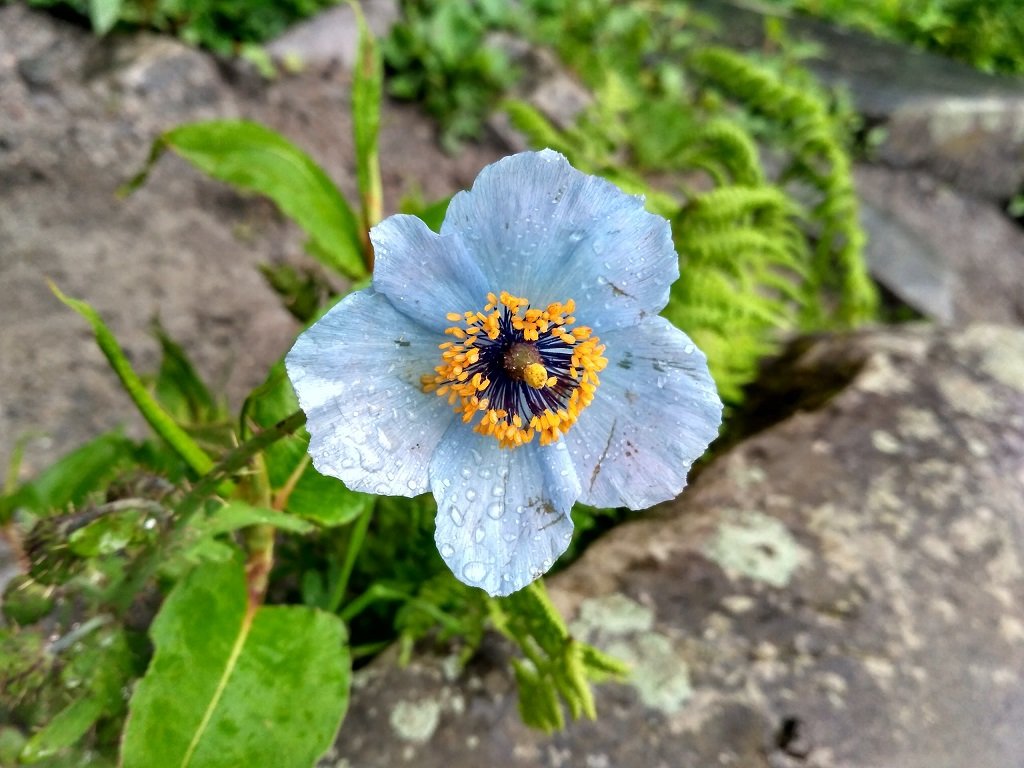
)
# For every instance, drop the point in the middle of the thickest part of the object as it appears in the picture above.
(474, 572)
(498, 490)
(447, 550)
(478, 534)
(466, 472)
(484, 472)
(412, 485)
(688, 349)
(495, 510)
(470, 494)
(456, 516)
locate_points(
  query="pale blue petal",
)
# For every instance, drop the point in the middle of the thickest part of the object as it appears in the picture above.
(424, 274)
(502, 514)
(654, 413)
(543, 230)
(357, 376)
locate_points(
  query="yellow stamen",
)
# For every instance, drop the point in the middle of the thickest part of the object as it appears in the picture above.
(462, 384)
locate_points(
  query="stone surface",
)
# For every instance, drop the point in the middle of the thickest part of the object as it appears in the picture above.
(950, 256)
(842, 589)
(78, 116)
(332, 35)
(958, 124)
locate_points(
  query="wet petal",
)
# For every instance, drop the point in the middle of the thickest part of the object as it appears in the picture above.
(543, 230)
(425, 275)
(357, 375)
(655, 412)
(502, 514)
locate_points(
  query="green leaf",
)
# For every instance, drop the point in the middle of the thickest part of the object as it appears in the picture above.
(366, 95)
(104, 15)
(254, 158)
(178, 385)
(233, 684)
(63, 730)
(158, 418)
(238, 514)
(72, 478)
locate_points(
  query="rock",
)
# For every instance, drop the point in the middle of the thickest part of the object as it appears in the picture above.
(546, 85)
(841, 589)
(952, 257)
(79, 115)
(938, 115)
(332, 35)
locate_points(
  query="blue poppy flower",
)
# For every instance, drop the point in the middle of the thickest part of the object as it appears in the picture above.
(513, 364)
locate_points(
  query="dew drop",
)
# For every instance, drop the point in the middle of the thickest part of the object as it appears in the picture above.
(575, 236)
(348, 462)
(470, 494)
(495, 510)
(474, 572)
(447, 550)
(447, 482)
(478, 534)
(456, 516)
(484, 472)
(412, 485)
(466, 473)
(498, 490)
(381, 489)
(688, 349)
(597, 245)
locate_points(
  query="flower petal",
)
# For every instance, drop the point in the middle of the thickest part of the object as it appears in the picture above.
(502, 514)
(426, 275)
(654, 413)
(357, 376)
(543, 230)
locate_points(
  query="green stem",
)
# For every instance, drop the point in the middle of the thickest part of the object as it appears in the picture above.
(381, 592)
(161, 421)
(355, 543)
(146, 564)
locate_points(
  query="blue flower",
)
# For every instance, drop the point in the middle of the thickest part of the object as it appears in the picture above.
(513, 365)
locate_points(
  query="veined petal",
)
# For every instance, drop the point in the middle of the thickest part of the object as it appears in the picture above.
(502, 515)
(542, 229)
(654, 414)
(357, 376)
(424, 274)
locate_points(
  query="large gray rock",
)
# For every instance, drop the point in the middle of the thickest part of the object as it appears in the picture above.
(951, 256)
(333, 35)
(843, 589)
(938, 115)
(78, 116)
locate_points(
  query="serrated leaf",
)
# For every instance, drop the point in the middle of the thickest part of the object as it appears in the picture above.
(254, 158)
(234, 684)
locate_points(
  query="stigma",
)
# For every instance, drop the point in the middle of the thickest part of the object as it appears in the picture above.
(516, 372)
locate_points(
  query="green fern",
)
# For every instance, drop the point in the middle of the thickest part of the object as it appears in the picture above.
(755, 263)
(818, 159)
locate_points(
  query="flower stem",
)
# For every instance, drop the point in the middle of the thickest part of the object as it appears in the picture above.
(355, 543)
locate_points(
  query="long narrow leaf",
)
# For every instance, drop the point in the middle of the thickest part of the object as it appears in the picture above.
(366, 96)
(254, 158)
(161, 421)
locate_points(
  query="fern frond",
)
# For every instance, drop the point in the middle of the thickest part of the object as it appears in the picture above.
(819, 159)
